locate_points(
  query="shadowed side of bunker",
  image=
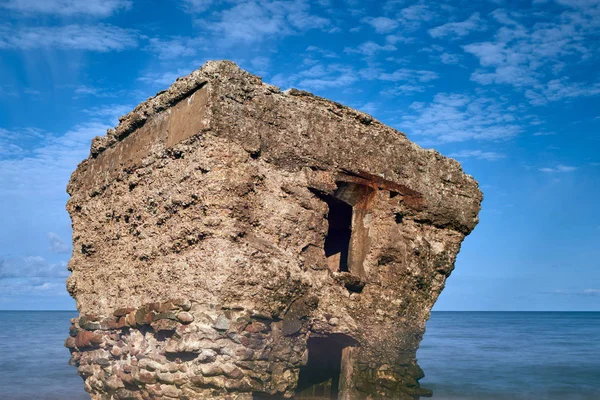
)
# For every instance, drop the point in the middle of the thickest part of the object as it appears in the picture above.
(233, 241)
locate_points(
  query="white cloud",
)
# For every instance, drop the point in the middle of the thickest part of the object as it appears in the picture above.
(413, 16)
(318, 77)
(403, 90)
(100, 37)
(393, 39)
(164, 78)
(45, 170)
(369, 48)
(85, 90)
(382, 24)
(478, 154)
(32, 92)
(458, 29)
(7, 91)
(324, 53)
(13, 142)
(505, 17)
(31, 267)
(255, 21)
(369, 108)
(457, 117)
(333, 77)
(583, 292)
(532, 56)
(260, 65)
(197, 6)
(174, 47)
(447, 58)
(511, 75)
(558, 89)
(405, 74)
(110, 112)
(416, 79)
(559, 168)
(96, 8)
(57, 245)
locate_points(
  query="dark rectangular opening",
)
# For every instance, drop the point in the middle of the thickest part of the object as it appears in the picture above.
(337, 241)
(320, 378)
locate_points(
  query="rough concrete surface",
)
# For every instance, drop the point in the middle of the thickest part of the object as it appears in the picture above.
(233, 241)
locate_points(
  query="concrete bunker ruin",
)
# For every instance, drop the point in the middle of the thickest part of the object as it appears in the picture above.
(233, 241)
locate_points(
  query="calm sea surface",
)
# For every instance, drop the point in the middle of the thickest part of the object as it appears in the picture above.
(511, 355)
(495, 356)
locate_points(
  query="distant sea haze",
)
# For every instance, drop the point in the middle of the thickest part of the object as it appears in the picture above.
(465, 356)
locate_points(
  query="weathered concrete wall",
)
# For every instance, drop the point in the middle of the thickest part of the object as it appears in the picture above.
(200, 229)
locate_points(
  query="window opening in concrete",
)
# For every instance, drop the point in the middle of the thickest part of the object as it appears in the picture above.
(337, 242)
(320, 378)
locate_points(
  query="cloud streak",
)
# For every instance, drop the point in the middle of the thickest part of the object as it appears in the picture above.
(98, 38)
(533, 56)
(32, 267)
(256, 21)
(453, 117)
(96, 8)
(57, 245)
(458, 29)
(558, 169)
(478, 154)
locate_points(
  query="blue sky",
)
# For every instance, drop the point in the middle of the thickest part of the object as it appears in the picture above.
(511, 92)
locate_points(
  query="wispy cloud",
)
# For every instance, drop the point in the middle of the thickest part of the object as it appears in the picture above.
(251, 21)
(447, 58)
(582, 292)
(558, 169)
(381, 24)
(458, 29)
(196, 6)
(14, 142)
(109, 112)
(532, 54)
(164, 78)
(45, 169)
(478, 154)
(406, 74)
(402, 90)
(31, 267)
(558, 89)
(175, 47)
(318, 77)
(369, 48)
(57, 245)
(322, 52)
(413, 16)
(100, 37)
(96, 8)
(452, 117)
(7, 91)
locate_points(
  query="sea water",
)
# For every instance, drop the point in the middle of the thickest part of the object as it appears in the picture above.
(33, 359)
(465, 356)
(512, 356)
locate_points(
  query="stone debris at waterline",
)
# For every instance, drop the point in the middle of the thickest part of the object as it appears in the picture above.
(233, 241)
